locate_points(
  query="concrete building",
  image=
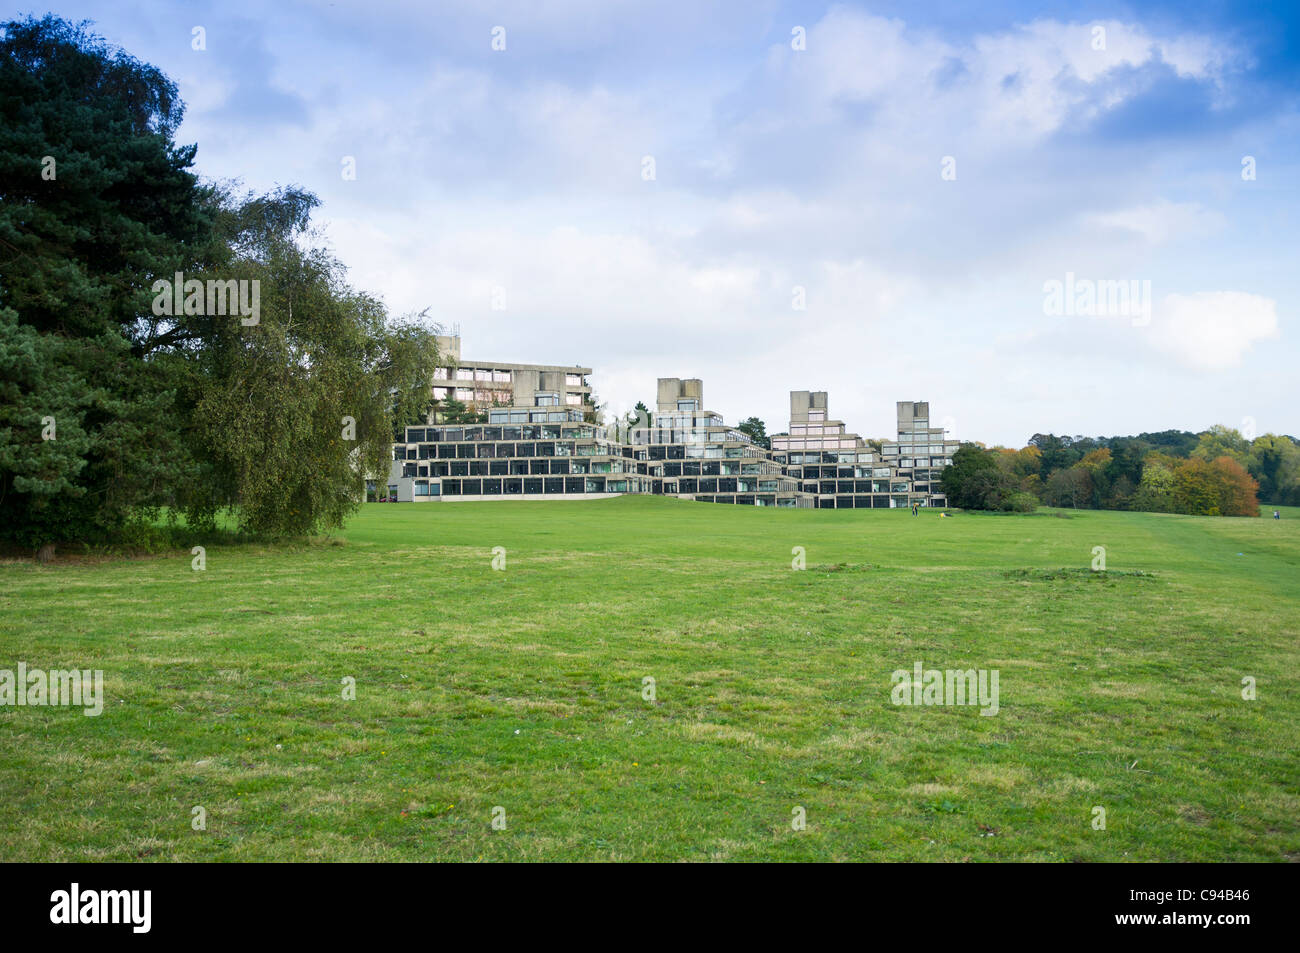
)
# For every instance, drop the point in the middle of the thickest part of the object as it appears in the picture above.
(483, 384)
(537, 447)
(921, 452)
(844, 471)
(689, 452)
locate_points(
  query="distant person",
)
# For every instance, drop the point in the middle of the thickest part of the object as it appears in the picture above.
(1277, 515)
(915, 509)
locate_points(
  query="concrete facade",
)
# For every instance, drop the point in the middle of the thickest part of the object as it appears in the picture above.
(536, 448)
(483, 384)
(844, 471)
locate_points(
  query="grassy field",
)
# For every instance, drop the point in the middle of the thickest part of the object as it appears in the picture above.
(523, 689)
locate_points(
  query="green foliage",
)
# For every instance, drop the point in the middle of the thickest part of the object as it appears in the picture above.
(1155, 494)
(1020, 502)
(1140, 472)
(452, 411)
(294, 412)
(196, 412)
(1275, 462)
(1221, 487)
(756, 430)
(95, 201)
(1221, 441)
(977, 481)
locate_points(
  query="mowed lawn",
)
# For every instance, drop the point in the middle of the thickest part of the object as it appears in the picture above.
(522, 690)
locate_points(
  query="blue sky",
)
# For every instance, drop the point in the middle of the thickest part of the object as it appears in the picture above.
(1103, 140)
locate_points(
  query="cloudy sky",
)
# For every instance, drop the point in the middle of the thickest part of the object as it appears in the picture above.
(870, 199)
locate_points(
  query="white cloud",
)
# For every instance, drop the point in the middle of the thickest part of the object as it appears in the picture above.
(1000, 88)
(1212, 330)
(1160, 221)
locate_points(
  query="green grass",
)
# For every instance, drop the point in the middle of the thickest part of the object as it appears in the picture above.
(522, 689)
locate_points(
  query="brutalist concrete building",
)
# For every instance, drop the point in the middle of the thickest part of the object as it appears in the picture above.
(844, 471)
(540, 447)
(480, 384)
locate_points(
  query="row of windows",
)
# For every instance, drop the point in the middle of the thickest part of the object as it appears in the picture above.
(860, 456)
(679, 486)
(494, 375)
(828, 487)
(562, 485)
(461, 468)
(573, 431)
(688, 485)
(825, 430)
(487, 451)
(861, 473)
(818, 473)
(938, 450)
(677, 451)
(870, 502)
(510, 415)
(719, 468)
(543, 485)
(741, 485)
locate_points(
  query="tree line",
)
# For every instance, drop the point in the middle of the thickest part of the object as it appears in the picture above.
(1218, 472)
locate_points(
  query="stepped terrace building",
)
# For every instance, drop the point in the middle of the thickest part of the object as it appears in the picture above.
(844, 471)
(522, 452)
(537, 448)
(690, 453)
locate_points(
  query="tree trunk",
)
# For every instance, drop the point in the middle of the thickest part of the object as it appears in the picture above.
(46, 553)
